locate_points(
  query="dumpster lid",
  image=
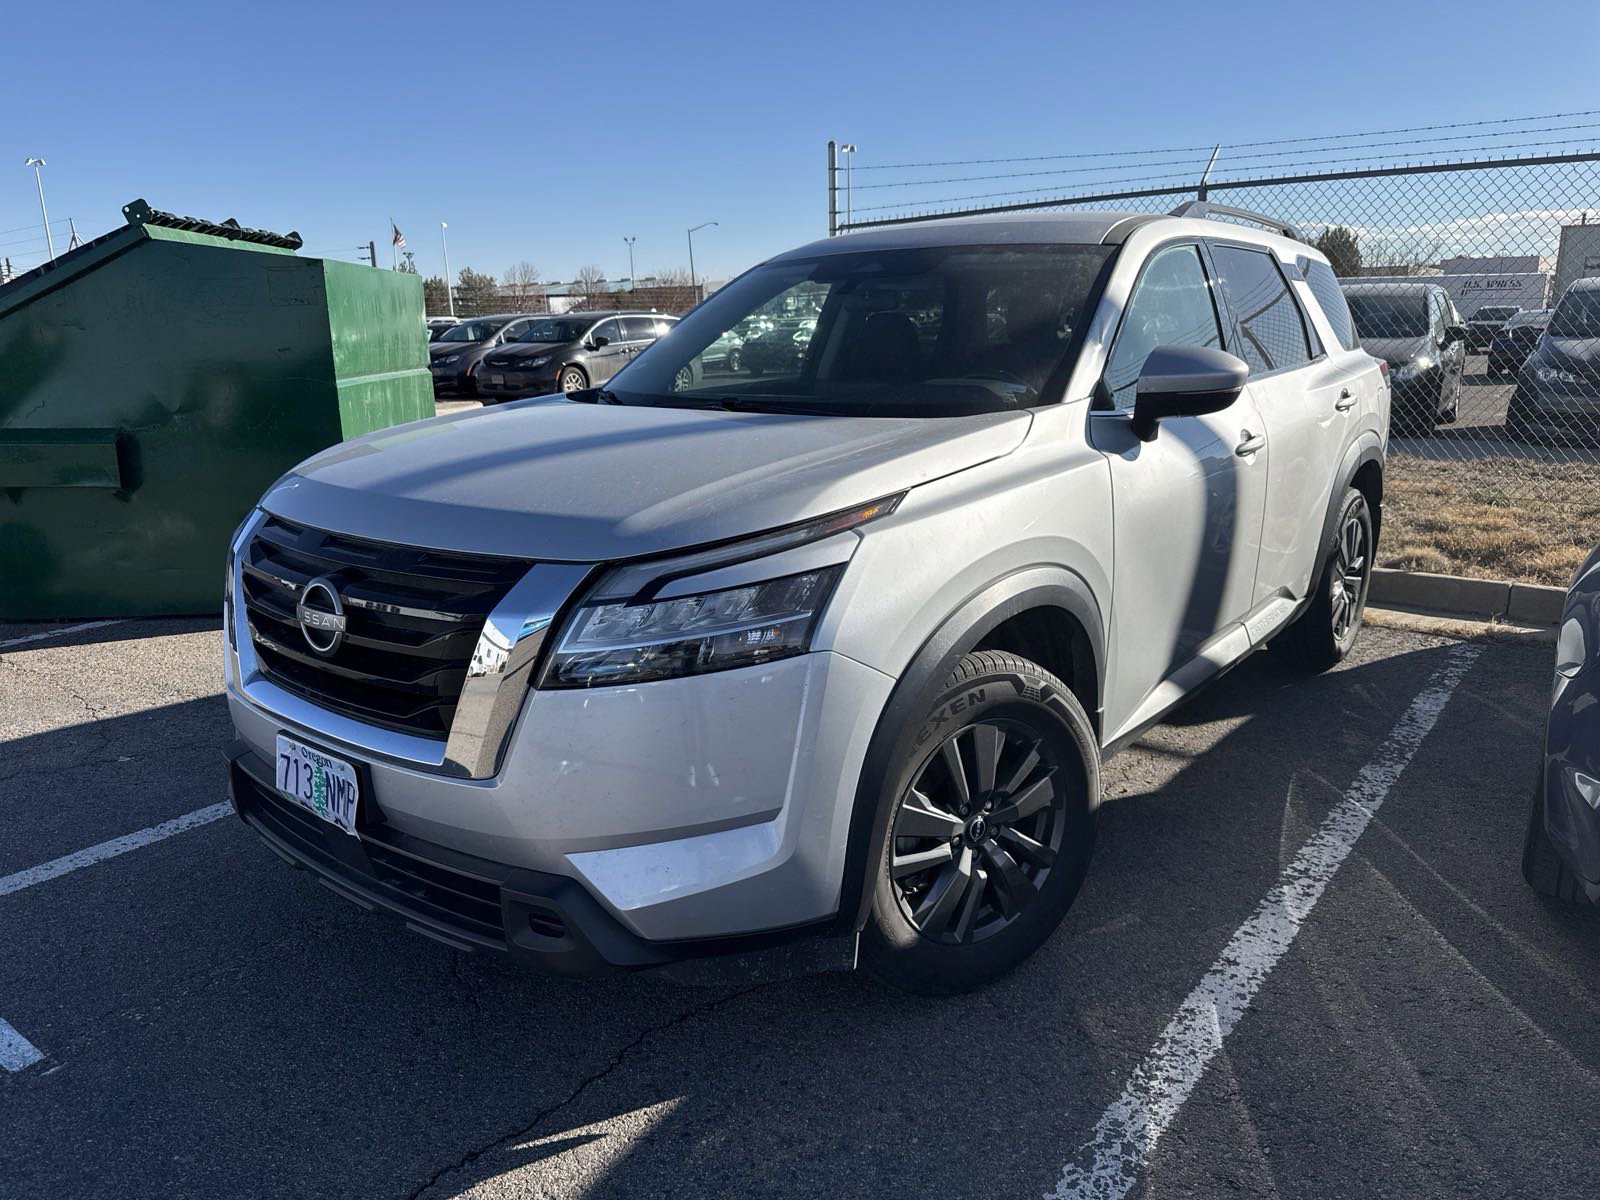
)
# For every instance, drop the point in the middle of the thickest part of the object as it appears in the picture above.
(144, 223)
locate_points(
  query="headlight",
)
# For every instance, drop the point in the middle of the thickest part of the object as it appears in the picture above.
(447, 359)
(615, 642)
(1410, 370)
(529, 364)
(1554, 375)
(1572, 649)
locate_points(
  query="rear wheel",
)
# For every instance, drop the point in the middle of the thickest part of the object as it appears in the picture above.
(991, 832)
(573, 379)
(1326, 631)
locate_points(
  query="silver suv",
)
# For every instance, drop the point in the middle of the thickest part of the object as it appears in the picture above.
(733, 673)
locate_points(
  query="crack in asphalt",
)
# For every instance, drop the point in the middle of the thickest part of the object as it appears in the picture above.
(598, 1076)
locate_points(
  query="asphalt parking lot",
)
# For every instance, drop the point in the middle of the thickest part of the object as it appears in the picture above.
(210, 1023)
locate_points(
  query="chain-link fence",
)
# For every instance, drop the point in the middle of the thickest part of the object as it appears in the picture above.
(1469, 278)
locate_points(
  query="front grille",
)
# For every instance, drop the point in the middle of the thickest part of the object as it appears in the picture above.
(412, 622)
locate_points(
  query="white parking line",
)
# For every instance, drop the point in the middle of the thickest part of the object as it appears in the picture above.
(63, 631)
(16, 1051)
(1129, 1131)
(57, 867)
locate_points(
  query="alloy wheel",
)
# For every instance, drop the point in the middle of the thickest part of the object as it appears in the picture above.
(1351, 565)
(978, 831)
(571, 381)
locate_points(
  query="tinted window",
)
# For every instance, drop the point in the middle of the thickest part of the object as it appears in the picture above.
(1577, 316)
(1274, 334)
(1171, 306)
(553, 331)
(607, 330)
(1325, 287)
(639, 329)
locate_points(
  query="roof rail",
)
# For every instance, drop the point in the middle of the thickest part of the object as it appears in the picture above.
(1204, 208)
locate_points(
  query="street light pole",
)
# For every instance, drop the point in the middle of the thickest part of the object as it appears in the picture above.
(694, 280)
(38, 178)
(449, 292)
(632, 282)
(849, 151)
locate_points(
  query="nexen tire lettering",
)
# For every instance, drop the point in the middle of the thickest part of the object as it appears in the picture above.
(943, 715)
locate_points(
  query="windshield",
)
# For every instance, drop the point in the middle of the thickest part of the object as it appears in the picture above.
(553, 331)
(1577, 316)
(938, 331)
(470, 331)
(1494, 314)
(1382, 315)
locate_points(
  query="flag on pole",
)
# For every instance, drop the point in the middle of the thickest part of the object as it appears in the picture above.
(399, 238)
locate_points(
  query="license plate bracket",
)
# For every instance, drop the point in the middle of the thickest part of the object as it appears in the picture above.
(326, 786)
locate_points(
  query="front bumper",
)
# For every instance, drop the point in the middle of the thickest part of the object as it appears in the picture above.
(1556, 413)
(548, 922)
(514, 385)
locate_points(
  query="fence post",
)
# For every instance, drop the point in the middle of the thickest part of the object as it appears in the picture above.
(1201, 193)
(833, 188)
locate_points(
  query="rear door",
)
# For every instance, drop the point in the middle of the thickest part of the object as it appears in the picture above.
(1187, 505)
(638, 333)
(1298, 389)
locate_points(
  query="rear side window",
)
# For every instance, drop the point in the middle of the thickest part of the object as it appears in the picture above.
(1274, 333)
(1170, 306)
(1324, 286)
(639, 329)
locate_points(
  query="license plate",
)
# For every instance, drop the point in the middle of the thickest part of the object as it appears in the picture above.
(497, 379)
(319, 782)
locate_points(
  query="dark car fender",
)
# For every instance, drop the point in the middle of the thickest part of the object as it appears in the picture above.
(1031, 587)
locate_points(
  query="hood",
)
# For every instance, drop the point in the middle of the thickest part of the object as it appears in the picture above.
(559, 480)
(1581, 356)
(1398, 350)
(443, 349)
(513, 350)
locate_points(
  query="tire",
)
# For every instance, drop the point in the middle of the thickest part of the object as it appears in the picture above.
(1014, 856)
(683, 380)
(572, 379)
(1542, 867)
(1326, 631)
(733, 362)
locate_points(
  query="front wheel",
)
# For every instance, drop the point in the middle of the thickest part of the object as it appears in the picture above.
(573, 379)
(1326, 631)
(992, 827)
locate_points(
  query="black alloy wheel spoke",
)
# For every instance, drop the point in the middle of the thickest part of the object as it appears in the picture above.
(977, 832)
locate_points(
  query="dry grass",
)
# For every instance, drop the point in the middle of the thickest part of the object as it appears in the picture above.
(1498, 518)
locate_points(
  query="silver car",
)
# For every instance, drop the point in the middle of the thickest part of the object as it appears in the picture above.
(726, 674)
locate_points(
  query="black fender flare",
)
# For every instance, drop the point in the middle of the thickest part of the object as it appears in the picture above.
(1043, 586)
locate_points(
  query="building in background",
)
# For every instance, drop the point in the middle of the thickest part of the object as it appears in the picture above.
(1578, 257)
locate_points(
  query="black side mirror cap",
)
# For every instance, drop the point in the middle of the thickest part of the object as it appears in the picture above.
(1454, 334)
(597, 341)
(1185, 381)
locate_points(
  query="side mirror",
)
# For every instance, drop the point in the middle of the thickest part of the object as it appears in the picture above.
(1185, 381)
(1454, 334)
(598, 340)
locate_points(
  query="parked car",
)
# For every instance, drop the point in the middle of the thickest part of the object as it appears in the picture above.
(772, 669)
(1516, 341)
(1415, 329)
(456, 355)
(437, 325)
(724, 354)
(568, 353)
(1483, 324)
(1561, 854)
(1557, 397)
(780, 349)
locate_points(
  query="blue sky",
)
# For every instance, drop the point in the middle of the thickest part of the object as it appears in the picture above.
(548, 132)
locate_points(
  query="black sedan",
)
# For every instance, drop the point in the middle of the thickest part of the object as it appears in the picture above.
(1516, 341)
(1487, 321)
(1561, 855)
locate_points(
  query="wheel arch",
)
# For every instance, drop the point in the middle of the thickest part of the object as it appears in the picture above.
(1362, 469)
(1013, 611)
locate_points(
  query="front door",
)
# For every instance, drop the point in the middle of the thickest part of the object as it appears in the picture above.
(1186, 507)
(607, 360)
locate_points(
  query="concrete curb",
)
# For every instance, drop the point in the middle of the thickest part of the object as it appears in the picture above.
(1456, 596)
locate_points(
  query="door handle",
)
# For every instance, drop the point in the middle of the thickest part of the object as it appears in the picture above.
(1250, 444)
(1345, 402)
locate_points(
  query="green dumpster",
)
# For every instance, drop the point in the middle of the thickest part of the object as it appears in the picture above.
(155, 381)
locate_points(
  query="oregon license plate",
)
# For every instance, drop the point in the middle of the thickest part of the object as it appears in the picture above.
(319, 782)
